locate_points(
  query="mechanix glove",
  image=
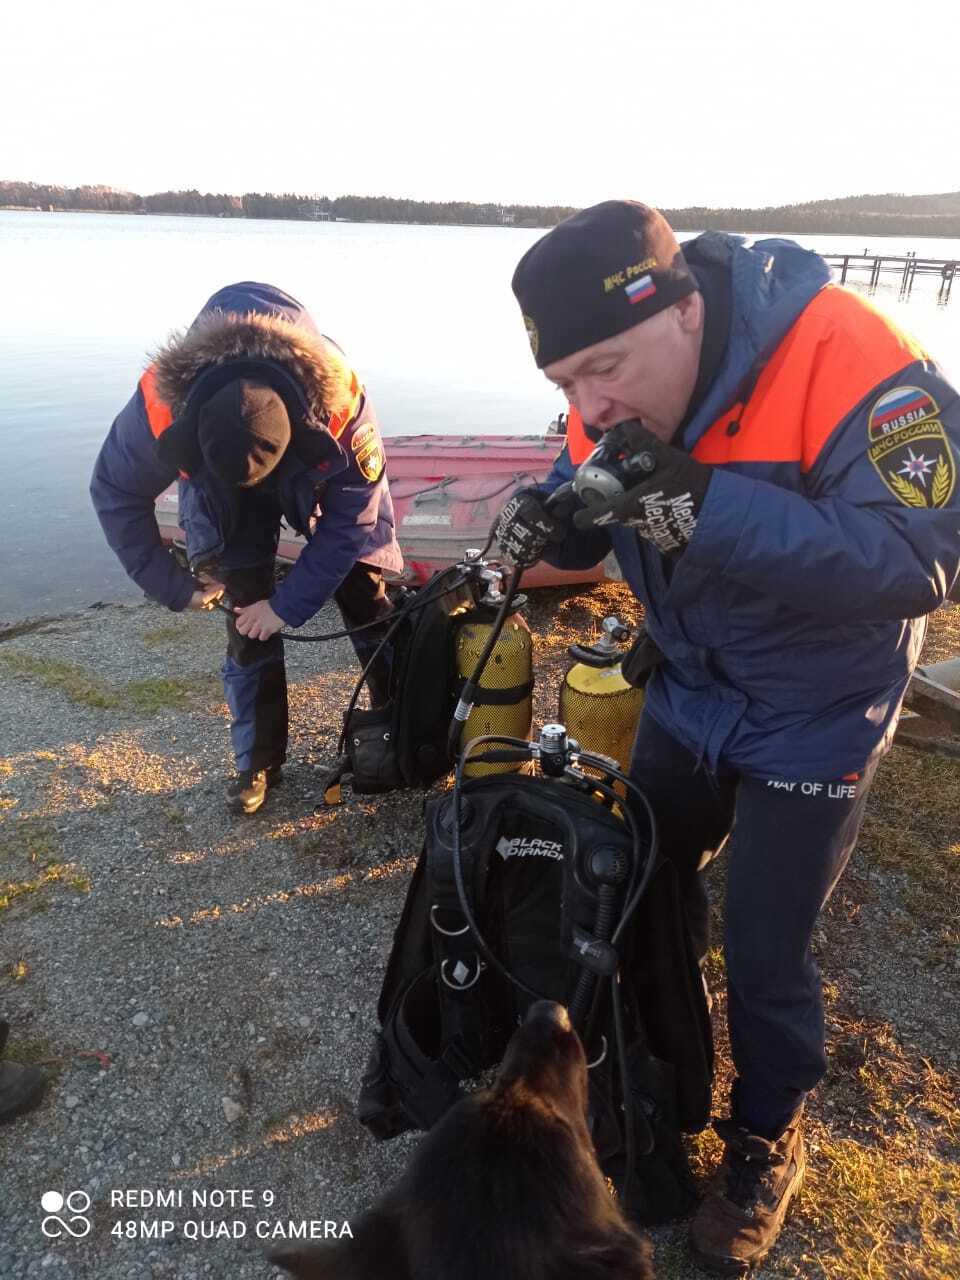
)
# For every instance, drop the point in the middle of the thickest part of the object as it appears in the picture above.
(524, 527)
(665, 505)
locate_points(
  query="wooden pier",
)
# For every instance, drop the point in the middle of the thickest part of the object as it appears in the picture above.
(908, 268)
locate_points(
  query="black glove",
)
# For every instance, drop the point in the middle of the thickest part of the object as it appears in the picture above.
(524, 527)
(638, 662)
(664, 506)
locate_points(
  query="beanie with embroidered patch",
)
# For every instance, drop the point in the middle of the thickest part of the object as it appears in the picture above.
(596, 274)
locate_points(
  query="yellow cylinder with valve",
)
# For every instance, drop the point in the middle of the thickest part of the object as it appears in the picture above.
(503, 703)
(598, 706)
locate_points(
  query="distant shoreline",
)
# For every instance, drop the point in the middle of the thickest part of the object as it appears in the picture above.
(215, 217)
(485, 226)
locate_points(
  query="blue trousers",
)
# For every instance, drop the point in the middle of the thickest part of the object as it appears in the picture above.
(788, 845)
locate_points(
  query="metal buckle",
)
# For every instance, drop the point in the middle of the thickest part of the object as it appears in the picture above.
(591, 1065)
(447, 933)
(462, 986)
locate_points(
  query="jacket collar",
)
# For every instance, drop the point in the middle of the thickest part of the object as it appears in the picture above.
(772, 281)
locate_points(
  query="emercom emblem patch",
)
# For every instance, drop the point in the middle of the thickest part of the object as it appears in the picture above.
(909, 448)
(533, 335)
(370, 460)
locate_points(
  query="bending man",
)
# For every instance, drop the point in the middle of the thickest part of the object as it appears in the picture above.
(263, 419)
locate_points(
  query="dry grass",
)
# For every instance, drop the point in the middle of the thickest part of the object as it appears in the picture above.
(144, 696)
(912, 834)
(30, 864)
(883, 1194)
(158, 637)
(67, 678)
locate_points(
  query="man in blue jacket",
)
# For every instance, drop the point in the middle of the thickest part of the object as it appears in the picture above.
(791, 517)
(262, 418)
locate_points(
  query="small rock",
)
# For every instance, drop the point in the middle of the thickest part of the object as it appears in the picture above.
(71, 1102)
(231, 1110)
(141, 1019)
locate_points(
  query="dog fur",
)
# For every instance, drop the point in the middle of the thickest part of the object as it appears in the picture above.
(505, 1187)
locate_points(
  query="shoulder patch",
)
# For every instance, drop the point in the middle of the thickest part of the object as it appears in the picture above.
(370, 459)
(362, 436)
(909, 448)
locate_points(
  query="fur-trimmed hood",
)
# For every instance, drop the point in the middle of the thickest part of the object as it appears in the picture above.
(256, 331)
(254, 324)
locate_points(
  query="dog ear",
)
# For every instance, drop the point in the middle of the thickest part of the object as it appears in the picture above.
(622, 1258)
(374, 1253)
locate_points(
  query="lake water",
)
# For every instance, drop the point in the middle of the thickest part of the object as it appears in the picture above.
(426, 314)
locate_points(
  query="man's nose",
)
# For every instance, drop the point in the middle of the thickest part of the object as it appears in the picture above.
(594, 406)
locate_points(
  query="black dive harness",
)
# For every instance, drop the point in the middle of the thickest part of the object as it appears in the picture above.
(547, 886)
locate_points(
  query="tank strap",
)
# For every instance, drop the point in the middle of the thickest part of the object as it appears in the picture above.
(459, 964)
(502, 697)
(403, 1087)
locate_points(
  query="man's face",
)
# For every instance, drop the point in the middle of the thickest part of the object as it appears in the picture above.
(647, 372)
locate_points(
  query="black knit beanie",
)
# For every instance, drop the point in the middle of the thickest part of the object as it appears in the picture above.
(596, 274)
(243, 431)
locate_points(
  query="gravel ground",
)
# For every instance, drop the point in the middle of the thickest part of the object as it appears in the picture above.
(202, 987)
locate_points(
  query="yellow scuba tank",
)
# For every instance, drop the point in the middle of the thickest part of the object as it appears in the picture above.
(599, 707)
(503, 703)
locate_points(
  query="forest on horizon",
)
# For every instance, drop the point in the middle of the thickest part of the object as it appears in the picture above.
(889, 214)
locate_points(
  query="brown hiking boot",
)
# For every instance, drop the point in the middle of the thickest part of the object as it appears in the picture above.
(739, 1222)
(247, 792)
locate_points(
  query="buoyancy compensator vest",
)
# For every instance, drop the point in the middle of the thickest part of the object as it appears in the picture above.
(434, 635)
(546, 890)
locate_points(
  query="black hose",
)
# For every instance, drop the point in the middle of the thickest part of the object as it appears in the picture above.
(363, 626)
(394, 624)
(581, 1001)
(458, 869)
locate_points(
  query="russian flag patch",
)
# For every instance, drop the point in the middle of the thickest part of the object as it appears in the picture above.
(640, 289)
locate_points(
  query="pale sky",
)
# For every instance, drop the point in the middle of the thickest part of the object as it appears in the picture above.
(524, 101)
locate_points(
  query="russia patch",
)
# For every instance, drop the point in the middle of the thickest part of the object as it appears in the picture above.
(898, 408)
(909, 448)
(639, 290)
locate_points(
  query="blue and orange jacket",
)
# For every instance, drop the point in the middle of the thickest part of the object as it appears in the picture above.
(331, 485)
(794, 619)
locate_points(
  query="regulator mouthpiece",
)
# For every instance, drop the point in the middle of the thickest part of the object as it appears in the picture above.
(609, 471)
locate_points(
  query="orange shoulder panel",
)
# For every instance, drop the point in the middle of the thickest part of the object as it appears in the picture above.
(339, 421)
(839, 348)
(158, 411)
(579, 444)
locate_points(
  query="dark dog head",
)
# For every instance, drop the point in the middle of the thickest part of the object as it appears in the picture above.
(505, 1187)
